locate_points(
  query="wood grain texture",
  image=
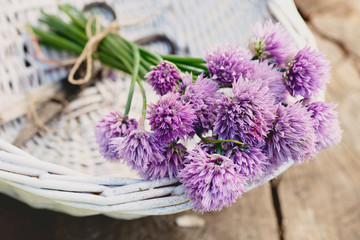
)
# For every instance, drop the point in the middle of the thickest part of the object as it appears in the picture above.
(320, 199)
(311, 8)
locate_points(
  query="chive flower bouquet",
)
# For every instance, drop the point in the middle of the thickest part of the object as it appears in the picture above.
(247, 110)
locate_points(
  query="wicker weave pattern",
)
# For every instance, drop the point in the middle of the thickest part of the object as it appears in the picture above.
(71, 176)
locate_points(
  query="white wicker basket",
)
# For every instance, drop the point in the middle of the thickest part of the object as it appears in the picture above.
(64, 172)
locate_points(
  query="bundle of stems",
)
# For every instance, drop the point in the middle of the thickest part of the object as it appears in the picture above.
(113, 51)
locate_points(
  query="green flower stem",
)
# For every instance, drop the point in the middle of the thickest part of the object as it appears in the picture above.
(218, 149)
(58, 25)
(121, 43)
(194, 78)
(105, 59)
(146, 65)
(149, 57)
(114, 51)
(126, 51)
(157, 56)
(151, 60)
(142, 71)
(218, 141)
(75, 15)
(80, 21)
(57, 41)
(181, 59)
(188, 69)
(143, 52)
(143, 93)
(199, 65)
(121, 54)
(113, 45)
(78, 36)
(134, 76)
(105, 49)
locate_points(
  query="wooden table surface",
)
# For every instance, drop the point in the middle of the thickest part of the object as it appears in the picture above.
(316, 200)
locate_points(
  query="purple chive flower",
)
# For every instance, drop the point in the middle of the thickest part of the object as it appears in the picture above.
(247, 117)
(250, 161)
(292, 136)
(202, 96)
(211, 181)
(270, 77)
(326, 124)
(227, 63)
(170, 119)
(113, 125)
(271, 42)
(163, 77)
(171, 165)
(139, 149)
(307, 73)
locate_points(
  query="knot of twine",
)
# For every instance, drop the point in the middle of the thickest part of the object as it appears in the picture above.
(90, 48)
(93, 43)
(86, 55)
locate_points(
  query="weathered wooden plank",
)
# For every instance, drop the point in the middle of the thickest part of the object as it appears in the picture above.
(252, 217)
(310, 8)
(320, 199)
(342, 28)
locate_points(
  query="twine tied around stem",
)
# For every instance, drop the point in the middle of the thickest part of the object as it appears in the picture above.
(90, 48)
(93, 43)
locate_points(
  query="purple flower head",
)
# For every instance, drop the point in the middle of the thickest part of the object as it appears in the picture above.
(202, 96)
(292, 136)
(247, 117)
(250, 161)
(227, 63)
(307, 73)
(170, 119)
(163, 77)
(113, 125)
(139, 149)
(211, 181)
(269, 77)
(170, 167)
(271, 42)
(326, 124)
